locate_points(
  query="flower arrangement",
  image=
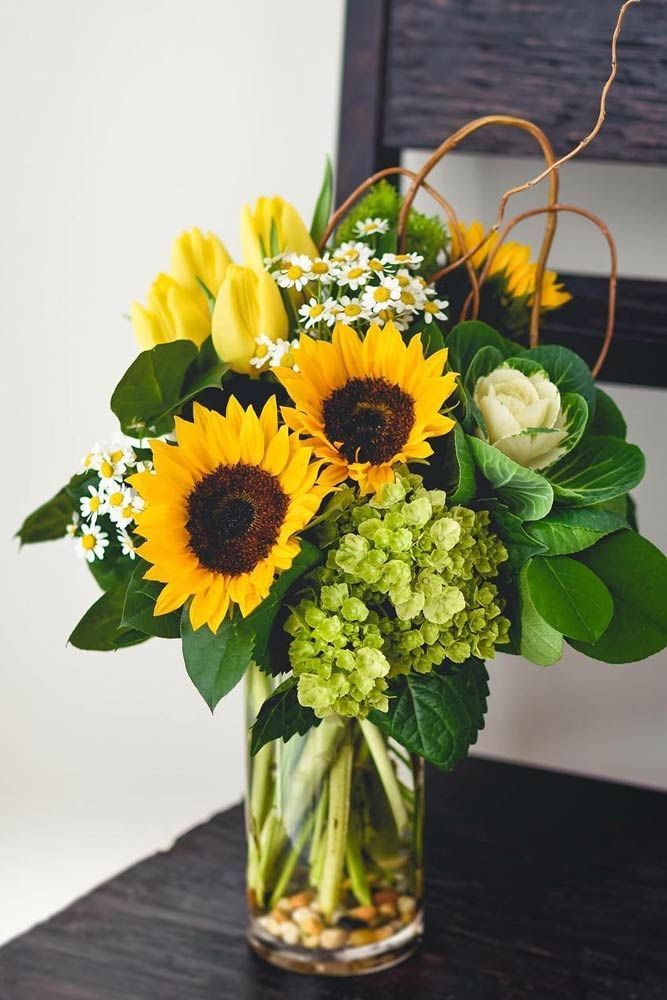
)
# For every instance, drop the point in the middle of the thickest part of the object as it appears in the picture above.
(329, 478)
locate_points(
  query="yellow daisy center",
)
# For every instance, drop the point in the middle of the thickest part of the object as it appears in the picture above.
(381, 294)
(320, 267)
(294, 272)
(234, 517)
(106, 470)
(94, 504)
(116, 455)
(115, 499)
(352, 309)
(88, 542)
(375, 264)
(316, 311)
(368, 419)
(355, 272)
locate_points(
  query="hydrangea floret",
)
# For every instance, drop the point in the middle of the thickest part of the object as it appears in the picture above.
(407, 584)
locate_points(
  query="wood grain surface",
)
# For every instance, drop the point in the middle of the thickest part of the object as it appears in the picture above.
(539, 885)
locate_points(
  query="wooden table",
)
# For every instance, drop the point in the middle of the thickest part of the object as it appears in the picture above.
(539, 885)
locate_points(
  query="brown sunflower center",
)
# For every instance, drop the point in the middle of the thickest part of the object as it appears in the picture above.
(368, 419)
(234, 518)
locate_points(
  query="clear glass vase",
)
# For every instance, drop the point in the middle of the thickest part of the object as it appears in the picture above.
(334, 826)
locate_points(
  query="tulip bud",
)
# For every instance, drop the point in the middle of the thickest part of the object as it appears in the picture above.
(171, 313)
(256, 224)
(195, 255)
(248, 304)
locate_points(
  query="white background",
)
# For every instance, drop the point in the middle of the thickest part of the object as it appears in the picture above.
(124, 123)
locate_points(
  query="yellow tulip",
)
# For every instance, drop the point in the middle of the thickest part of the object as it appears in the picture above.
(195, 255)
(293, 236)
(172, 312)
(248, 304)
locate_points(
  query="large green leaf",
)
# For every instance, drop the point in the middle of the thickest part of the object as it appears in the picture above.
(567, 370)
(540, 643)
(520, 545)
(159, 382)
(575, 414)
(49, 521)
(569, 597)
(437, 715)
(216, 661)
(566, 530)
(281, 717)
(114, 571)
(100, 629)
(600, 468)
(260, 622)
(464, 487)
(484, 362)
(467, 338)
(635, 573)
(139, 604)
(323, 205)
(526, 493)
(608, 419)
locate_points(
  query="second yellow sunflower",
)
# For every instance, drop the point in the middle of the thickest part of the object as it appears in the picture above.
(366, 405)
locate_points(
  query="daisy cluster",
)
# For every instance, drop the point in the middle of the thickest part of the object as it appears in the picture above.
(109, 502)
(355, 284)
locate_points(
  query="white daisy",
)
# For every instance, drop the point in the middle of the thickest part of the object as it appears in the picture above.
(352, 252)
(321, 269)
(72, 527)
(367, 227)
(351, 310)
(144, 465)
(295, 272)
(312, 312)
(92, 459)
(115, 498)
(412, 260)
(353, 276)
(126, 511)
(435, 309)
(128, 547)
(383, 296)
(91, 543)
(332, 311)
(92, 505)
(262, 356)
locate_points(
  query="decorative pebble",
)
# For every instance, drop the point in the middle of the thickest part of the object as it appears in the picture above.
(382, 933)
(289, 932)
(387, 910)
(302, 914)
(299, 900)
(270, 925)
(365, 913)
(279, 916)
(312, 926)
(311, 940)
(406, 905)
(385, 896)
(359, 938)
(333, 937)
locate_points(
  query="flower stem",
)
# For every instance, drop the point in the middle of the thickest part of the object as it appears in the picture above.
(378, 748)
(355, 865)
(283, 879)
(340, 779)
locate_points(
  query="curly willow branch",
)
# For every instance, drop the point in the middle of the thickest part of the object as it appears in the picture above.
(509, 121)
(343, 209)
(613, 273)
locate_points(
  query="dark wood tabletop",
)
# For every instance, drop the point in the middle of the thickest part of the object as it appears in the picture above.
(539, 885)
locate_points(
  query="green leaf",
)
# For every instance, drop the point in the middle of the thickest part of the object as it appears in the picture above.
(323, 204)
(540, 643)
(520, 545)
(600, 468)
(608, 419)
(216, 661)
(635, 573)
(466, 484)
(49, 521)
(100, 629)
(467, 338)
(484, 362)
(436, 715)
(570, 598)
(525, 492)
(281, 717)
(432, 338)
(568, 530)
(575, 414)
(159, 382)
(114, 571)
(260, 622)
(139, 603)
(567, 370)
(522, 363)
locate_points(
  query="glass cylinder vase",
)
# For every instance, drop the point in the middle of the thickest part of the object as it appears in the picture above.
(334, 827)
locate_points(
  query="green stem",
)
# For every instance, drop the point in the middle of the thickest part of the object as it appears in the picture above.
(355, 866)
(318, 755)
(290, 863)
(385, 769)
(340, 779)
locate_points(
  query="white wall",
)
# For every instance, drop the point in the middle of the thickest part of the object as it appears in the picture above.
(124, 123)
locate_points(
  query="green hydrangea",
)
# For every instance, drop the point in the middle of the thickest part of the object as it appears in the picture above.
(426, 235)
(406, 585)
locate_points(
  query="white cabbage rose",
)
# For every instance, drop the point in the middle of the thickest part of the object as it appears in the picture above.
(523, 415)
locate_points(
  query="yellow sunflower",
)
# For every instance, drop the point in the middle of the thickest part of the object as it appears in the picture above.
(512, 261)
(366, 405)
(222, 510)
